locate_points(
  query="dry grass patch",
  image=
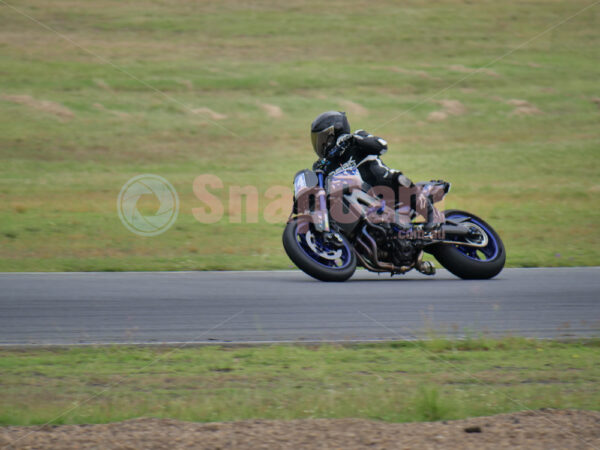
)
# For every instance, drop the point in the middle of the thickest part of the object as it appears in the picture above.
(523, 108)
(453, 107)
(45, 106)
(354, 108)
(450, 108)
(272, 111)
(437, 116)
(101, 107)
(102, 84)
(462, 69)
(419, 73)
(210, 113)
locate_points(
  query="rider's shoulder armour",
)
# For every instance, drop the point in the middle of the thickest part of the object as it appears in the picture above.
(367, 144)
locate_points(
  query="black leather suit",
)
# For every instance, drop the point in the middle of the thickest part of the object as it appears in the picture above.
(364, 150)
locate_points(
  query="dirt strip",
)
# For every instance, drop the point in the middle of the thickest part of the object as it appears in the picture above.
(545, 429)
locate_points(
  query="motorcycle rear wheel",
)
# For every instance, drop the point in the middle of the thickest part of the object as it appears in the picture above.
(468, 262)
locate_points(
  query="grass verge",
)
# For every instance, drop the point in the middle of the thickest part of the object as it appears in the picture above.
(397, 382)
(518, 140)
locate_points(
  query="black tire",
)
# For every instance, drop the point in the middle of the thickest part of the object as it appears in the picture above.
(309, 265)
(462, 265)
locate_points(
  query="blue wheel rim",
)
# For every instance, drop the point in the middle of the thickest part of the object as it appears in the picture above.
(340, 263)
(489, 252)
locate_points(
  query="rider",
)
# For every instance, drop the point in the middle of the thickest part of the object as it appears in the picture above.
(335, 145)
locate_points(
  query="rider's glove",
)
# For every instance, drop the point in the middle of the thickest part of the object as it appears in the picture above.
(342, 143)
(344, 140)
(321, 164)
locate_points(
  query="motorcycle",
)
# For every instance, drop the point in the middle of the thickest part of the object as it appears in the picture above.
(338, 223)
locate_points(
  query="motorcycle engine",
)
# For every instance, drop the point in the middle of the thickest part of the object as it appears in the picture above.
(405, 252)
(400, 252)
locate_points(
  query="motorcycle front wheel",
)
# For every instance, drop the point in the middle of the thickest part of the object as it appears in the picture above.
(472, 263)
(306, 248)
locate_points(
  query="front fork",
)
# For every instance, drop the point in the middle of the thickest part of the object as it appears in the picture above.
(321, 216)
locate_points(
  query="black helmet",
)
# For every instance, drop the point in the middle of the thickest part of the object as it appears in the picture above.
(325, 130)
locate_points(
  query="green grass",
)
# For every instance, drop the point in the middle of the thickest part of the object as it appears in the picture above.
(534, 177)
(397, 382)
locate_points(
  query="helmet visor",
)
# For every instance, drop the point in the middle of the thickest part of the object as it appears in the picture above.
(321, 140)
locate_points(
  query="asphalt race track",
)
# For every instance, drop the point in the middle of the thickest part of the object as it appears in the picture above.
(217, 307)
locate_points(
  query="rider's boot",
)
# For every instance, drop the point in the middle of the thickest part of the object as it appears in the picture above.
(425, 267)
